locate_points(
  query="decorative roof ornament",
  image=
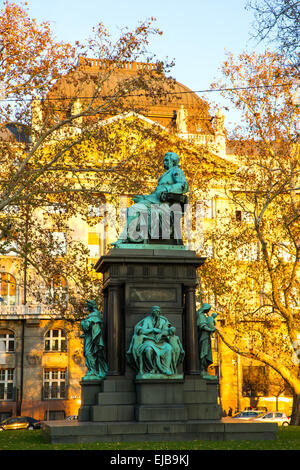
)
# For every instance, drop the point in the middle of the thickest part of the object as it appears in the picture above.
(218, 122)
(181, 120)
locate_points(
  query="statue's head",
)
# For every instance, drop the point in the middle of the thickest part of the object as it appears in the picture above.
(171, 159)
(155, 311)
(205, 308)
(91, 305)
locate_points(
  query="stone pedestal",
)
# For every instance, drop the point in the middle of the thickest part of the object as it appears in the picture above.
(160, 400)
(134, 280)
(89, 393)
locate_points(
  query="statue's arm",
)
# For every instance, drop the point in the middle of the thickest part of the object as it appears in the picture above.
(85, 325)
(202, 325)
(180, 185)
(147, 330)
(207, 328)
(144, 328)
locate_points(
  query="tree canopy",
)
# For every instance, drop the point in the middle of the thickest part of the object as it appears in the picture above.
(256, 238)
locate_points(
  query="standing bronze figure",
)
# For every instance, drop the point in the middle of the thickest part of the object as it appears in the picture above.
(93, 347)
(206, 328)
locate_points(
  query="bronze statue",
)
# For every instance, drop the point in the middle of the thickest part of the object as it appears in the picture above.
(153, 216)
(154, 348)
(93, 347)
(206, 328)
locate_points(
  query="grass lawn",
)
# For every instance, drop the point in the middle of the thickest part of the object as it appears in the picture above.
(288, 439)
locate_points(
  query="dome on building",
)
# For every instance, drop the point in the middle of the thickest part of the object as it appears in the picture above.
(161, 103)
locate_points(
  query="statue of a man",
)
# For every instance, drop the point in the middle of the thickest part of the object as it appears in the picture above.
(218, 122)
(93, 347)
(206, 328)
(146, 218)
(181, 120)
(154, 348)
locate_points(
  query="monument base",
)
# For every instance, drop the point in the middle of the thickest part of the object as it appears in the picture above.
(122, 410)
(125, 407)
(65, 432)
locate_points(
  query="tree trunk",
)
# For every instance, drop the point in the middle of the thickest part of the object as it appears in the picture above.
(295, 419)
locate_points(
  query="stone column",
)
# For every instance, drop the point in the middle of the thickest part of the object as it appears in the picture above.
(105, 308)
(191, 333)
(114, 331)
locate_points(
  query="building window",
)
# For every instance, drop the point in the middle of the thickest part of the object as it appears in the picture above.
(6, 384)
(243, 216)
(7, 341)
(95, 210)
(55, 340)
(55, 208)
(58, 243)
(54, 384)
(7, 289)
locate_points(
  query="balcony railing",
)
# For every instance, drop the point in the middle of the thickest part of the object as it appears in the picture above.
(107, 64)
(199, 139)
(25, 310)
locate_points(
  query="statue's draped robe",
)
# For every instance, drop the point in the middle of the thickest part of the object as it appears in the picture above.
(205, 351)
(93, 348)
(162, 356)
(149, 215)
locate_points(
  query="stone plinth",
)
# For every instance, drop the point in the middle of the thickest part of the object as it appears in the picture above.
(67, 432)
(136, 279)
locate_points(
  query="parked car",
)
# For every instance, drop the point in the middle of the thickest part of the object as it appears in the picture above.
(72, 418)
(248, 415)
(261, 409)
(20, 422)
(274, 417)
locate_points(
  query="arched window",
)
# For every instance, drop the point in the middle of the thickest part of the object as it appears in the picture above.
(7, 341)
(7, 289)
(55, 340)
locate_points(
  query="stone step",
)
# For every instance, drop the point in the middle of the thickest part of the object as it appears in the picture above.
(77, 432)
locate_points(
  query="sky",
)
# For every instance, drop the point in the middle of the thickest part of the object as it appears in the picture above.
(196, 33)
